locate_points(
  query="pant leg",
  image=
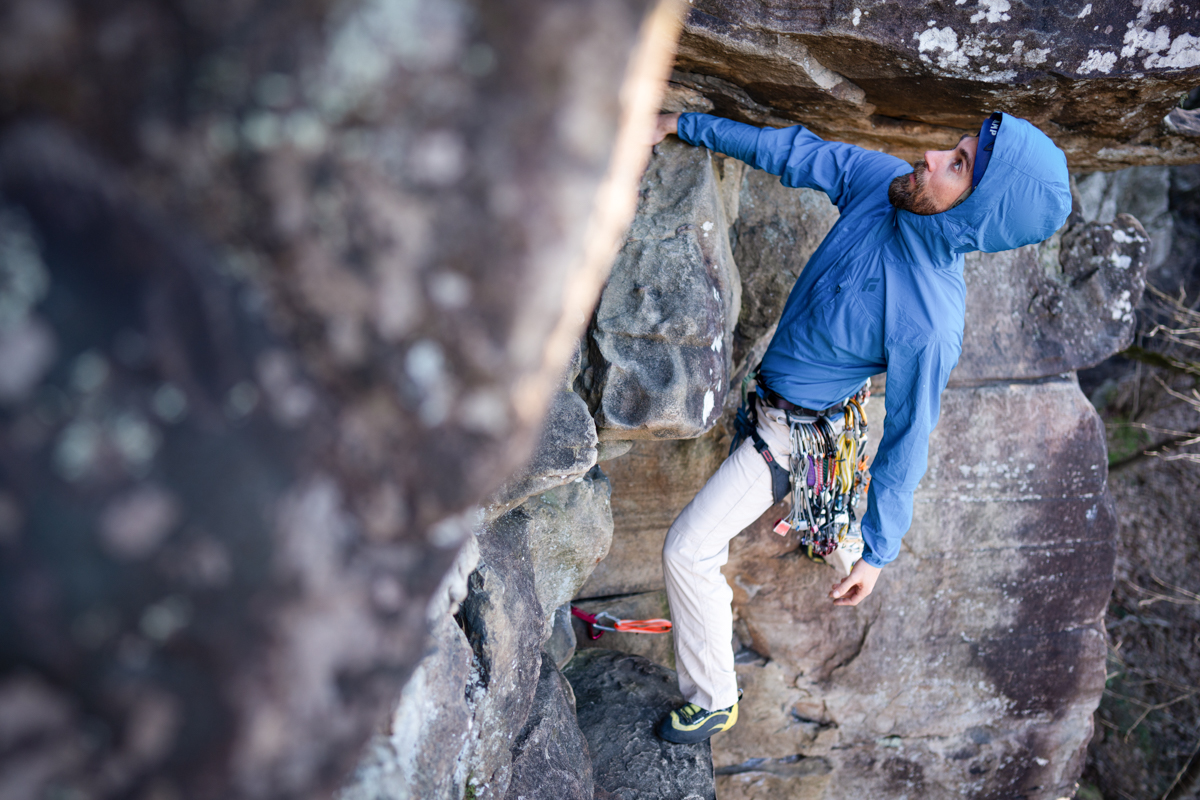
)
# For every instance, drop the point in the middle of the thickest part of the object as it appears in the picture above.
(696, 548)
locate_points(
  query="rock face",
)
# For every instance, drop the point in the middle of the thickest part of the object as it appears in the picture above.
(286, 291)
(1099, 78)
(488, 712)
(663, 328)
(619, 699)
(419, 755)
(287, 288)
(1057, 307)
(551, 760)
(980, 657)
(566, 449)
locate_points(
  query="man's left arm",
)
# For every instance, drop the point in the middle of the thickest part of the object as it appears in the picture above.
(916, 377)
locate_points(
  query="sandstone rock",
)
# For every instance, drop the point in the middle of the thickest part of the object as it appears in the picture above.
(656, 647)
(504, 622)
(619, 699)
(987, 623)
(569, 530)
(550, 755)
(466, 716)
(420, 757)
(977, 662)
(1100, 79)
(561, 644)
(532, 559)
(607, 451)
(659, 363)
(313, 273)
(1142, 193)
(566, 449)
(1046, 309)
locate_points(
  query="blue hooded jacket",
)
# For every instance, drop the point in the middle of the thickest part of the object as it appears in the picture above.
(885, 290)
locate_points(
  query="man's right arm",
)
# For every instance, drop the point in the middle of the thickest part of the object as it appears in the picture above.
(798, 156)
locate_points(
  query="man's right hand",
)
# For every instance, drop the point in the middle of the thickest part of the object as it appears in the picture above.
(665, 125)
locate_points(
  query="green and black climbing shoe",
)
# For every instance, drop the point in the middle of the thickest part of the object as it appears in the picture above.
(691, 723)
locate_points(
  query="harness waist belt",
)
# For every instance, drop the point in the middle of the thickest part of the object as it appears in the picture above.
(776, 401)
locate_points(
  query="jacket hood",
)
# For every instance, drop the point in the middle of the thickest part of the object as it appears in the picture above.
(1023, 197)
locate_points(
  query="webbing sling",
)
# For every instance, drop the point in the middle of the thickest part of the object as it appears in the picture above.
(781, 479)
(746, 425)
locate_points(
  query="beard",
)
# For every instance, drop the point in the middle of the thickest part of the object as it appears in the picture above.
(912, 198)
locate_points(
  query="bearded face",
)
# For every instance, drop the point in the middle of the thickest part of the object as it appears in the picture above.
(910, 193)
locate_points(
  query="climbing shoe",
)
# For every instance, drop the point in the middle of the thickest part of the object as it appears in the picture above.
(691, 723)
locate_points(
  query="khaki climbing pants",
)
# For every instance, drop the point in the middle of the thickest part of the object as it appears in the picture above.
(696, 548)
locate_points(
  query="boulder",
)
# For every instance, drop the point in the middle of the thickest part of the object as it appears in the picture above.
(1142, 193)
(619, 698)
(550, 754)
(566, 448)
(309, 276)
(569, 530)
(421, 754)
(661, 340)
(1099, 78)
(1064, 305)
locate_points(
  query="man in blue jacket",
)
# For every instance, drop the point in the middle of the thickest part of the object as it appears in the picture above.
(883, 292)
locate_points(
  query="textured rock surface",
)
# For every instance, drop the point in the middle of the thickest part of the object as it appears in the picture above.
(561, 644)
(659, 362)
(420, 757)
(1060, 306)
(492, 715)
(504, 622)
(550, 755)
(978, 661)
(619, 698)
(569, 532)
(1100, 78)
(310, 274)
(565, 450)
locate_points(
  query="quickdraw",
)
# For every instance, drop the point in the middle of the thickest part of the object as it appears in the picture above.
(596, 629)
(828, 471)
(828, 476)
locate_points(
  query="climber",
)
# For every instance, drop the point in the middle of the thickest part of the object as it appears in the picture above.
(883, 292)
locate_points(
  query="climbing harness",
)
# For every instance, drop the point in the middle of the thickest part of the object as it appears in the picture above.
(828, 469)
(596, 629)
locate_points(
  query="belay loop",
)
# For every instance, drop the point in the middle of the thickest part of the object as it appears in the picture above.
(828, 471)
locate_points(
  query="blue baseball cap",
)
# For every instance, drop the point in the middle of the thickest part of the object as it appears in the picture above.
(987, 140)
